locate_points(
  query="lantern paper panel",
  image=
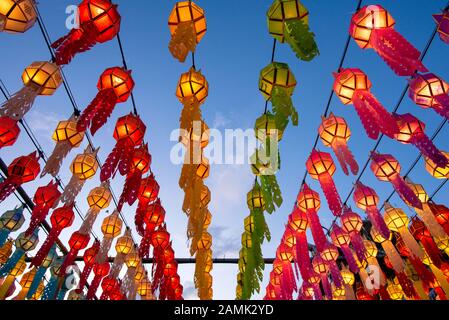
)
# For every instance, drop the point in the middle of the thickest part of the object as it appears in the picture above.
(99, 22)
(288, 21)
(442, 22)
(373, 27)
(187, 25)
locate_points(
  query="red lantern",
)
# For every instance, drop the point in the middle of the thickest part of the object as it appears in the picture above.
(386, 168)
(22, 170)
(160, 239)
(89, 260)
(320, 267)
(148, 193)
(441, 213)
(284, 255)
(99, 21)
(78, 241)
(442, 21)
(330, 255)
(411, 131)
(342, 239)
(430, 91)
(139, 164)
(353, 224)
(422, 234)
(321, 167)
(108, 285)
(334, 132)
(129, 132)
(9, 131)
(367, 199)
(353, 86)
(153, 217)
(101, 270)
(44, 199)
(361, 294)
(373, 27)
(60, 219)
(115, 86)
(171, 269)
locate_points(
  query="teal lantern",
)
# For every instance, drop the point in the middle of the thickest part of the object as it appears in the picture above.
(10, 221)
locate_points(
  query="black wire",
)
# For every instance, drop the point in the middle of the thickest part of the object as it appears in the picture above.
(125, 65)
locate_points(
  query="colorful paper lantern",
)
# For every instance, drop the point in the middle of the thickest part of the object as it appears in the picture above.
(89, 261)
(99, 22)
(352, 86)
(442, 21)
(111, 228)
(373, 27)
(437, 171)
(10, 221)
(17, 16)
(9, 131)
(153, 217)
(353, 224)
(342, 240)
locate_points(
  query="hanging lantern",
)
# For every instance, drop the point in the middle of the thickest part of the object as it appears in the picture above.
(25, 283)
(192, 88)
(115, 86)
(395, 291)
(40, 273)
(367, 199)
(111, 228)
(308, 201)
(67, 137)
(78, 241)
(386, 168)
(430, 91)
(129, 132)
(441, 213)
(437, 171)
(10, 221)
(348, 280)
(441, 280)
(422, 234)
(288, 21)
(403, 280)
(277, 83)
(9, 131)
(352, 86)
(5, 251)
(353, 224)
(99, 22)
(397, 221)
(89, 261)
(393, 255)
(330, 255)
(8, 281)
(83, 167)
(39, 78)
(442, 21)
(149, 190)
(187, 25)
(51, 289)
(373, 27)
(411, 130)
(378, 281)
(139, 164)
(342, 240)
(101, 270)
(321, 167)
(153, 217)
(284, 254)
(22, 170)
(17, 16)
(60, 219)
(98, 199)
(44, 199)
(334, 132)
(132, 261)
(320, 267)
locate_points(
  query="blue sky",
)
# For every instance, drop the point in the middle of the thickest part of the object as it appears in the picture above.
(236, 47)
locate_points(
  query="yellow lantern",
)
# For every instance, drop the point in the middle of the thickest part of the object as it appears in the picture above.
(338, 293)
(132, 260)
(84, 166)
(144, 288)
(205, 243)
(124, 244)
(243, 255)
(25, 283)
(276, 74)
(395, 291)
(112, 225)
(348, 277)
(255, 199)
(192, 85)
(209, 262)
(242, 266)
(435, 171)
(17, 16)
(207, 219)
(203, 168)
(266, 128)
(198, 134)
(281, 11)
(44, 75)
(188, 11)
(204, 196)
(6, 251)
(249, 224)
(140, 272)
(247, 242)
(39, 291)
(18, 270)
(100, 197)
(67, 131)
(371, 249)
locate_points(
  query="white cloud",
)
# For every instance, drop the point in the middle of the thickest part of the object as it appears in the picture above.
(220, 121)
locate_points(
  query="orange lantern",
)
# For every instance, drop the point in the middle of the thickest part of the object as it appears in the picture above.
(352, 86)
(334, 132)
(22, 170)
(192, 87)
(373, 27)
(99, 21)
(111, 228)
(187, 26)
(17, 16)
(39, 78)
(437, 171)
(160, 239)
(321, 167)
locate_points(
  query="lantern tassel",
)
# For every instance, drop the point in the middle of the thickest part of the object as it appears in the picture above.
(301, 39)
(405, 192)
(40, 273)
(317, 231)
(357, 244)
(4, 234)
(104, 249)
(374, 116)
(183, 40)
(20, 103)
(7, 285)
(118, 157)
(46, 246)
(425, 274)
(302, 256)
(413, 246)
(442, 107)
(331, 193)
(93, 287)
(72, 189)
(68, 261)
(335, 273)
(346, 158)
(350, 258)
(326, 286)
(317, 291)
(395, 258)
(144, 247)
(288, 281)
(131, 188)
(378, 222)
(435, 229)
(77, 41)
(396, 51)
(84, 276)
(37, 216)
(11, 263)
(54, 162)
(406, 284)
(89, 221)
(8, 186)
(429, 150)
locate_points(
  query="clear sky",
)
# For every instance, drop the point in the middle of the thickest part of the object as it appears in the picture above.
(236, 47)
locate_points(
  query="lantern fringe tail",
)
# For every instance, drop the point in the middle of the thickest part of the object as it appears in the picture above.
(120, 154)
(435, 229)
(426, 275)
(413, 246)
(131, 188)
(331, 193)
(183, 40)
(72, 189)
(393, 256)
(11, 263)
(102, 254)
(20, 103)
(302, 256)
(5, 288)
(378, 222)
(8, 186)
(428, 149)
(89, 221)
(283, 108)
(406, 284)
(350, 259)
(317, 231)
(37, 216)
(84, 276)
(4, 234)
(145, 242)
(346, 158)
(405, 192)
(442, 107)
(396, 51)
(301, 39)
(335, 273)
(68, 261)
(46, 247)
(442, 280)
(357, 244)
(40, 273)
(77, 41)
(50, 289)
(366, 115)
(54, 162)
(317, 291)
(432, 250)
(288, 283)
(93, 287)
(326, 286)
